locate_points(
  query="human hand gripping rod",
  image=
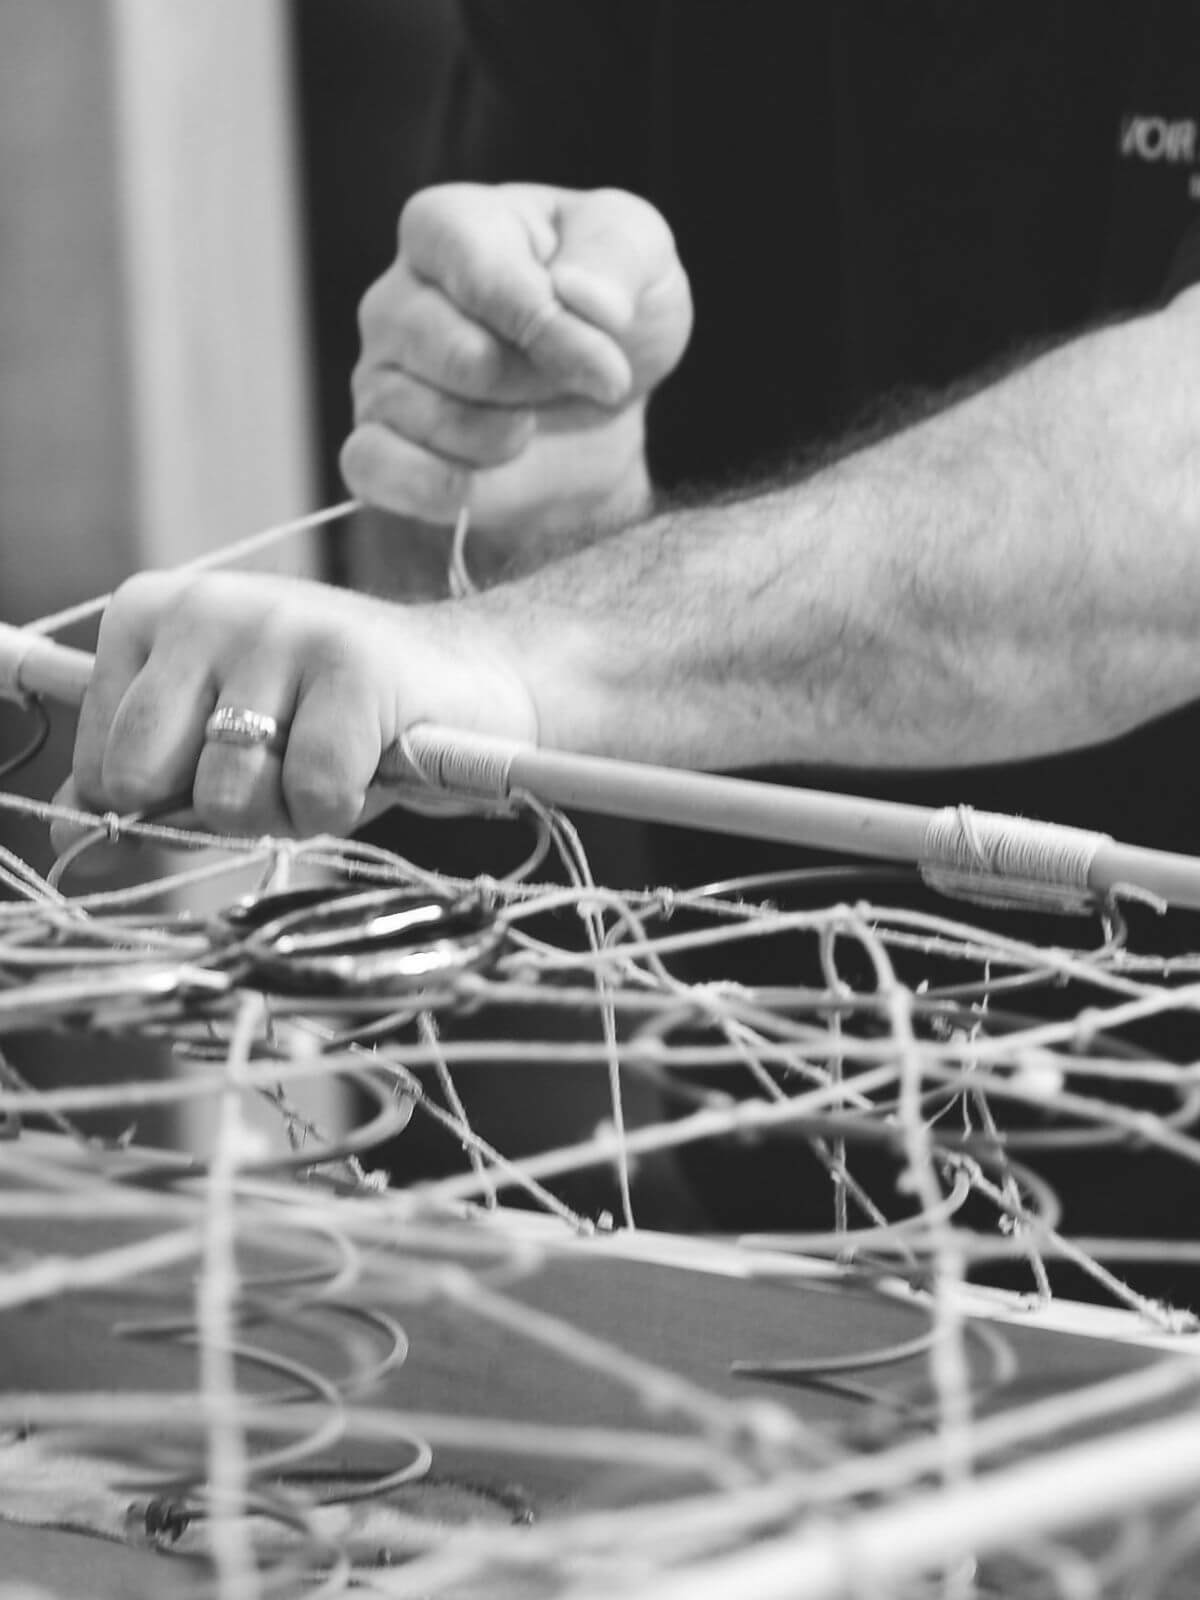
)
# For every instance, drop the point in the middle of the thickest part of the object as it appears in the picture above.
(980, 856)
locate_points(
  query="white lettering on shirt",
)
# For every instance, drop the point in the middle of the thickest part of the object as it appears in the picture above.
(1150, 138)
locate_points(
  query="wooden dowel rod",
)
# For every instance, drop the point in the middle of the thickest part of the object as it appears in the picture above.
(31, 664)
(1161, 873)
(62, 673)
(887, 831)
(846, 824)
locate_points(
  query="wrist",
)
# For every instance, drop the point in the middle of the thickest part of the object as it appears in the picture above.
(471, 674)
(571, 485)
(542, 663)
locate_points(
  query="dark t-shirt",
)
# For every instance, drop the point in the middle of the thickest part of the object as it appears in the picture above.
(866, 195)
(873, 201)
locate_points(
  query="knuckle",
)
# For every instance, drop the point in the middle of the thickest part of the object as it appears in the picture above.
(135, 591)
(205, 608)
(138, 598)
(192, 599)
(336, 649)
(279, 634)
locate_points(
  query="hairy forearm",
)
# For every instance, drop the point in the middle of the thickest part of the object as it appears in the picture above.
(1019, 573)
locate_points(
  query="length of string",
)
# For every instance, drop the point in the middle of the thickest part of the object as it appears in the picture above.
(254, 544)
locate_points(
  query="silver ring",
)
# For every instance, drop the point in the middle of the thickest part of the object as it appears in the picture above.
(241, 726)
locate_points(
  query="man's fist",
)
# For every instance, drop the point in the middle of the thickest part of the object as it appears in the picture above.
(507, 355)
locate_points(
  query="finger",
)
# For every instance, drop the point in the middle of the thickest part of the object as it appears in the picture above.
(385, 470)
(474, 243)
(202, 633)
(156, 734)
(137, 740)
(238, 785)
(407, 323)
(472, 435)
(333, 752)
(122, 647)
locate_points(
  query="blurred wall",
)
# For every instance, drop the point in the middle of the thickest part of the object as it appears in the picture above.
(65, 442)
(67, 491)
(153, 359)
(216, 326)
(154, 392)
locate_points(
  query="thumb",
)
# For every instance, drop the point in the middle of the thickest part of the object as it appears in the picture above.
(617, 267)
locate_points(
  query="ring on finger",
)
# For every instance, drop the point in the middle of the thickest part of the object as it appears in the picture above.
(243, 726)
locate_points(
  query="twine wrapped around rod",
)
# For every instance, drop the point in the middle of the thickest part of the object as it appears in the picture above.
(1010, 861)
